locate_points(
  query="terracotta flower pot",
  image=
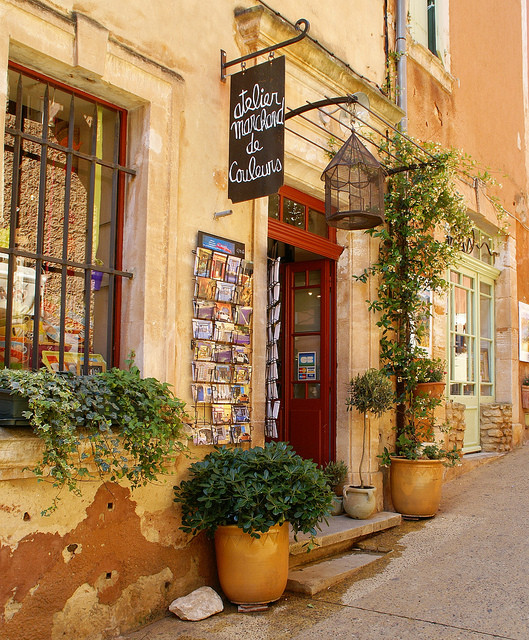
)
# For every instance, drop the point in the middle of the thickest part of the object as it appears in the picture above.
(416, 486)
(432, 389)
(252, 570)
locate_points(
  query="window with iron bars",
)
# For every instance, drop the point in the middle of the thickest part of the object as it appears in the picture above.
(60, 227)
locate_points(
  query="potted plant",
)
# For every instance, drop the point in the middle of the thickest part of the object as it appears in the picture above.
(115, 423)
(430, 375)
(246, 499)
(525, 393)
(426, 224)
(335, 475)
(370, 392)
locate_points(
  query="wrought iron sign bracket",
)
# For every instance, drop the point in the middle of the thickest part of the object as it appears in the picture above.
(301, 25)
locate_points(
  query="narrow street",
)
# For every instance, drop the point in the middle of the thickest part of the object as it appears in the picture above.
(449, 578)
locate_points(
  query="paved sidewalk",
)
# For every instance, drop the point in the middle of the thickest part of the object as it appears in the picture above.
(463, 575)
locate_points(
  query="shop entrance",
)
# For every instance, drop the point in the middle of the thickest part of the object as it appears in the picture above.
(306, 342)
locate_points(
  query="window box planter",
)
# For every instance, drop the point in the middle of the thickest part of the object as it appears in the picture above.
(12, 407)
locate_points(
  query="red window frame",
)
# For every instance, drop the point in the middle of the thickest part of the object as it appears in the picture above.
(283, 232)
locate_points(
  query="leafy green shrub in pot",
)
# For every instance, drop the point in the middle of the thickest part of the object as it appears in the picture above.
(335, 475)
(253, 489)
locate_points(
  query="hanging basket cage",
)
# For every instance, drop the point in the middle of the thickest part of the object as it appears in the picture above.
(354, 188)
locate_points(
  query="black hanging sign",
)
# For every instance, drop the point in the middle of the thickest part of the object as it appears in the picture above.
(257, 131)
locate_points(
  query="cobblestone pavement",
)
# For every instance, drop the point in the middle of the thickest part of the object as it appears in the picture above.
(461, 576)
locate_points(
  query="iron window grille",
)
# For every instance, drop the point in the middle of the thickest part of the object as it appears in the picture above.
(61, 227)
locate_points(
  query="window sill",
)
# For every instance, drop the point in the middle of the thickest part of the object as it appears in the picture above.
(431, 64)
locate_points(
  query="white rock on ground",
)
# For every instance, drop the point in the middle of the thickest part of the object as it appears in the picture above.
(197, 605)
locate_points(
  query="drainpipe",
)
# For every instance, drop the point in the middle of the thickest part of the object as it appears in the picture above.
(402, 81)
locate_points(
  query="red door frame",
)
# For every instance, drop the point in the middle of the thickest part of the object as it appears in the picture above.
(326, 248)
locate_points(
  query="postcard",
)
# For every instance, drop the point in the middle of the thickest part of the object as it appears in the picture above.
(240, 414)
(224, 331)
(225, 291)
(232, 269)
(202, 436)
(202, 261)
(221, 413)
(223, 312)
(240, 433)
(203, 371)
(239, 394)
(204, 309)
(220, 435)
(202, 329)
(241, 336)
(243, 315)
(244, 296)
(204, 350)
(205, 288)
(202, 392)
(240, 354)
(245, 272)
(218, 265)
(242, 374)
(223, 353)
(222, 393)
(223, 373)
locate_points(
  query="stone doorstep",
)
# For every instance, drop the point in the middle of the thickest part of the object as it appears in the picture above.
(315, 577)
(470, 462)
(339, 535)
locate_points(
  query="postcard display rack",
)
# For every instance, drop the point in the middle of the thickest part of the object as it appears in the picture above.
(221, 368)
(273, 330)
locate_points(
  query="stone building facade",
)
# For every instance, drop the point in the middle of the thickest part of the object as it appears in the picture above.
(157, 65)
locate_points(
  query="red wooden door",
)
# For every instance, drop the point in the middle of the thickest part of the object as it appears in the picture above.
(308, 359)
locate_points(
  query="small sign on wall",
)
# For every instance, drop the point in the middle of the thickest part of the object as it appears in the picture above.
(523, 312)
(257, 132)
(307, 365)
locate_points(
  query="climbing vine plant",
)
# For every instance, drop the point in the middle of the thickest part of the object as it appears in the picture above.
(423, 209)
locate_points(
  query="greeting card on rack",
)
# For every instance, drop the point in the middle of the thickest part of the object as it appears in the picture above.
(204, 309)
(202, 261)
(223, 312)
(225, 291)
(222, 353)
(220, 435)
(205, 288)
(202, 392)
(203, 435)
(240, 414)
(232, 269)
(239, 394)
(223, 373)
(241, 336)
(242, 374)
(202, 329)
(240, 355)
(224, 331)
(203, 371)
(245, 272)
(218, 265)
(204, 350)
(244, 296)
(244, 315)
(221, 413)
(222, 393)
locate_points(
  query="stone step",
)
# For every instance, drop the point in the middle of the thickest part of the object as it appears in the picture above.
(315, 577)
(339, 535)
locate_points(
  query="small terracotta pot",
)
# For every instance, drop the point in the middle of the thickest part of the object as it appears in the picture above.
(432, 389)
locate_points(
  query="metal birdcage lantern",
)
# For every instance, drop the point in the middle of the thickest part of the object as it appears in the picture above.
(354, 188)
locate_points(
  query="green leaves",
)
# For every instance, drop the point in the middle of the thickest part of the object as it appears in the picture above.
(123, 424)
(254, 489)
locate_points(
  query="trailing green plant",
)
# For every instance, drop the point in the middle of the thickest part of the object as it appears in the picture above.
(335, 472)
(426, 224)
(253, 489)
(370, 392)
(124, 425)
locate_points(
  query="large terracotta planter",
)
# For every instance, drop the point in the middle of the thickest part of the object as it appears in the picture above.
(432, 389)
(416, 486)
(252, 570)
(359, 502)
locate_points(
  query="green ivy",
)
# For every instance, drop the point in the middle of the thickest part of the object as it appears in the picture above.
(253, 489)
(125, 425)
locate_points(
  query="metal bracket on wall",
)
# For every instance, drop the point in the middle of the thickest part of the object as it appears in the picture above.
(301, 25)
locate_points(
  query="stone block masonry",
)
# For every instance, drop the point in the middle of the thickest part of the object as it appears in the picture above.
(496, 427)
(455, 417)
